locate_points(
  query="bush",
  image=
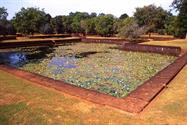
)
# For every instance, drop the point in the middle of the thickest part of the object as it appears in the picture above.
(132, 31)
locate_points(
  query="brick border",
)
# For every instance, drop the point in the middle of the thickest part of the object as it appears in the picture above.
(108, 41)
(42, 42)
(111, 41)
(129, 104)
(167, 50)
(135, 102)
(56, 42)
(175, 51)
(49, 36)
(8, 37)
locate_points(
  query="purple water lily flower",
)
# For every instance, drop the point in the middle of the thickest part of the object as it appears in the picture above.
(64, 62)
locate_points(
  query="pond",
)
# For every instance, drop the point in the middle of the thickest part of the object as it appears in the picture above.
(100, 67)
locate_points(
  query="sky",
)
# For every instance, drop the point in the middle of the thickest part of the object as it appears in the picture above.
(64, 7)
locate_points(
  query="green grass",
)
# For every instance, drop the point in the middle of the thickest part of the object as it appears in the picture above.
(27, 104)
(6, 111)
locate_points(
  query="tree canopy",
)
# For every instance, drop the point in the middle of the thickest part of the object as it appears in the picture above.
(130, 29)
(124, 16)
(181, 6)
(88, 26)
(3, 13)
(177, 4)
(57, 24)
(104, 25)
(152, 16)
(6, 27)
(32, 19)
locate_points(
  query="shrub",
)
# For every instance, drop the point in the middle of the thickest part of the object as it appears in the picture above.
(132, 31)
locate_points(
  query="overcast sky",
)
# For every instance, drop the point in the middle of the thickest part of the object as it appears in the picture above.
(64, 7)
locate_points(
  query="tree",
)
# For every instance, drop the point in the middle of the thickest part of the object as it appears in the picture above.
(123, 16)
(57, 24)
(171, 26)
(3, 20)
(177, 4)
(32, 19)
(3, 13)
(102, 14)
(92, 15)
(6, 28)
(67, 21)
(104, 25)
(88, 26)
(46, 26)
(181, 6)
(10, 30)
(119, 24)
(152, 17)
(130, 29)
(2, 28)
(76, 21)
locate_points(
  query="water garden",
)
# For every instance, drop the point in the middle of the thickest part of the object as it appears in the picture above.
(100, 67)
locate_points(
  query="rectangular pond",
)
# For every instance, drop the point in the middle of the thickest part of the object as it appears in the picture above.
(100, 67)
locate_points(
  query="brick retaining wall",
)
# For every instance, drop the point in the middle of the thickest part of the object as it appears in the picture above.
(51, 42)
(8, 37)
(168, 50)
(111, 41)
(49, 36)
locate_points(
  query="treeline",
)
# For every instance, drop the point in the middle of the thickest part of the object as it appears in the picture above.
(6, 26)
(146, 19)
